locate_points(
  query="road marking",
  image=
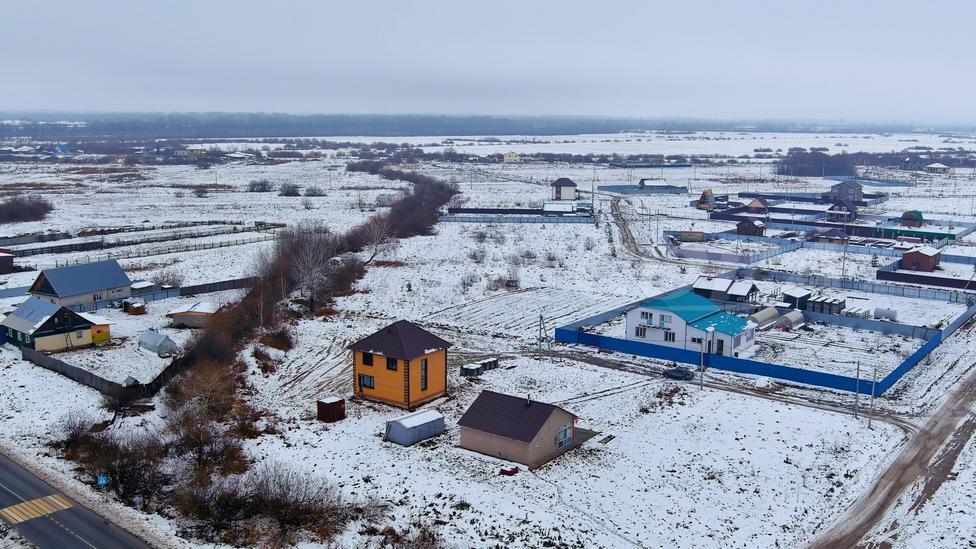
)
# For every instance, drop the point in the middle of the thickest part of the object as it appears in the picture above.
(35, 508)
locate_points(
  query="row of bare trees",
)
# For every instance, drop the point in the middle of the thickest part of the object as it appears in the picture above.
(200, 443)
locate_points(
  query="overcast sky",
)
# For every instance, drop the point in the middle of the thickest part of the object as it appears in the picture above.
(832, 60)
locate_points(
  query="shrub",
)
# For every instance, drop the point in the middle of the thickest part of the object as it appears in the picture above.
(168, 277)
(209, 388)
(200, 191)
(478, 255)
(24, 208)
(278, 339)
(589, 244)
(260, 186)
(292, 500)
(313, 190)
(288, 189)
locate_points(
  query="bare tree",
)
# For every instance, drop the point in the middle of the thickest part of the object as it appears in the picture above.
(378, 237)
(313, 264)
(293, 499)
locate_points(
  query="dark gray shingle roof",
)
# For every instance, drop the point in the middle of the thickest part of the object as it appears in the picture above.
(563, 182)
(402, 339)
(507, 416)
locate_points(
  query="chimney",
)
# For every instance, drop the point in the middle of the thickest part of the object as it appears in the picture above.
(528, 399)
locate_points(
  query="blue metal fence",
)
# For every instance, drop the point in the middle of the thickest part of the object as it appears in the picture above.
(731, 364)
(574, 333)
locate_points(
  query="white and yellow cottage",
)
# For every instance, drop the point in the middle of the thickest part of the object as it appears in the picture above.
(46, 327)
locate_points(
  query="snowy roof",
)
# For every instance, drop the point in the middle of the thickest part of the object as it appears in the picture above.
(936, 165)
(713, 284)
(925, 250)
(507, 416)
(685, 303)
(330, 400)
(82, 279)
(31, 315)
(402, 339)
(420, 417)
(796, 291)
(742, 288)
(94, 319)
(142, 284)
(199, 307)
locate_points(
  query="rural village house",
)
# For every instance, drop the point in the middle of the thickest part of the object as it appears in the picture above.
(681, 320)
(402, 365)
(82, 285)
(517, 429)
(563, 188)
(45, 326)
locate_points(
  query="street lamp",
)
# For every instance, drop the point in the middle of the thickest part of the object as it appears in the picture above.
(710, 334)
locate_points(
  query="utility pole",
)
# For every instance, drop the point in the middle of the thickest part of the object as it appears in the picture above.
(857, 389)
(874, 383)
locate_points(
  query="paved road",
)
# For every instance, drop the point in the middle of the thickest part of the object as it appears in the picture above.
(51, 520)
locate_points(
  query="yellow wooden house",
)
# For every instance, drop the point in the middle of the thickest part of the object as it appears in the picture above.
(402, 365)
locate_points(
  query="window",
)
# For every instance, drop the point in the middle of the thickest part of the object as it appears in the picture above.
(423, 374)
(391, 363)
(750, 334)
(365, 381)
(565, 437)
(78, 334)
(640, 331)
(647, 315)
(663, 320)
(368, 359)
(696, 340)
(669, 336)
(737, 341)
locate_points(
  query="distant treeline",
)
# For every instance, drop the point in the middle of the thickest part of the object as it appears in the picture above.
(131, 126)
(818, 164)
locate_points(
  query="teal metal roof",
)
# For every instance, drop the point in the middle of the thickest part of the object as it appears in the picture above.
(722, 322)
(685, 303)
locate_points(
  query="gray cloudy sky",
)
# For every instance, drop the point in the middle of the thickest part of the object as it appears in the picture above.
(832, 60)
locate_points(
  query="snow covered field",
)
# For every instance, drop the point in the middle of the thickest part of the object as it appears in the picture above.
(703, 468)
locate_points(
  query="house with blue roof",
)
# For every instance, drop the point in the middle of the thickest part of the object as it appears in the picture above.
(80, 286)
(686, 320)
(46, 327)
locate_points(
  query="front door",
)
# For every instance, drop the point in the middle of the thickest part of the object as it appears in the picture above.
(720, 349)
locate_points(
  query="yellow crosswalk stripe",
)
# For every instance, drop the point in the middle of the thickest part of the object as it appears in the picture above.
(35, 508)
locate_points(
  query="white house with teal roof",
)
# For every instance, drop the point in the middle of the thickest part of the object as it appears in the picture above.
(682, 319)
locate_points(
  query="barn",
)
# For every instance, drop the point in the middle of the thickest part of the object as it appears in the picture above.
(912, 218)
(751, 227)
(192, 315)
(924, 258)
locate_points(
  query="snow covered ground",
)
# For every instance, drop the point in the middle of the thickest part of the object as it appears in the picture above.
(680, 473)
